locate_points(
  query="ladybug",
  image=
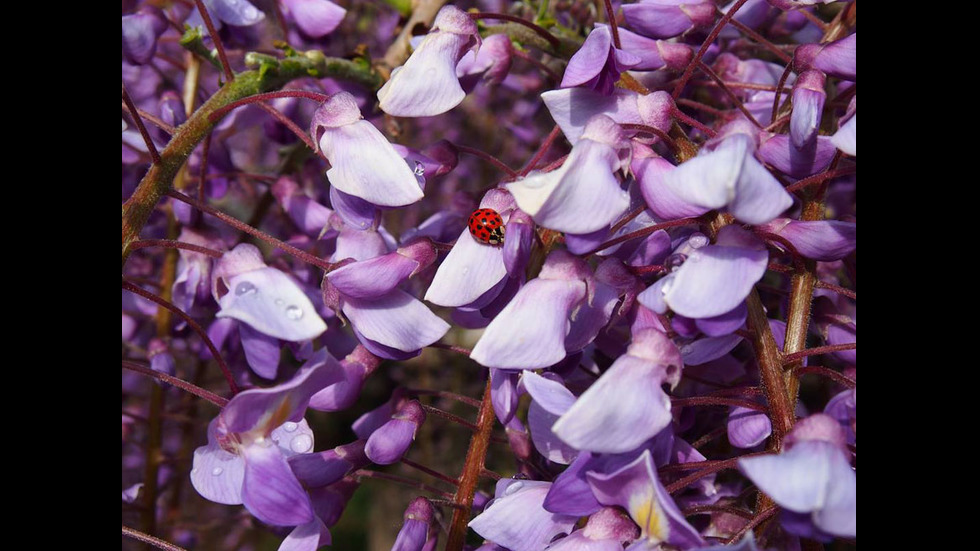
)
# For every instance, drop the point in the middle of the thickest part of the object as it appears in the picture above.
(486, 226)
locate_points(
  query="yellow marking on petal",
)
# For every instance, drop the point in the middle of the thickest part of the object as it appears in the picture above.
(646, 512)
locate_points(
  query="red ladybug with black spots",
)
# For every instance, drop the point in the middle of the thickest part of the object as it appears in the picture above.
(486, 226)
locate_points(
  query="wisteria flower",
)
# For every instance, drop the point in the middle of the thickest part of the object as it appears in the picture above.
(598, 63)
(427, 84)
(515, 519)
(245, 460)
(636, 488)
(727, 174)
(583, 195)
(363, 162)
(811, 479)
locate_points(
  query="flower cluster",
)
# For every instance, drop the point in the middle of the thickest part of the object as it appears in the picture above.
(325, 237)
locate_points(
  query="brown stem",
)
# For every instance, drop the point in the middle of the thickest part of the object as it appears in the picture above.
(146, 538)
(169, 243)
(471, 472)
(157, 121)
(239, 225)
(689, 72)
(828, 373)
(545, 145)
(179, 383)
(728, 92)
(154, 154)
(449, 417)
(216, 39)
(193, 325)
(431, 472)
(797, 356)
(555, 43)
(488, 158)
(770, 362)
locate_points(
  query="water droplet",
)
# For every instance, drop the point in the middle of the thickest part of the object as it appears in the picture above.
(294, 312)
(514, 487)
(520, 476)
(301, 444)
(419, 169)
(289, 426)
(245, 288)
(217, 471)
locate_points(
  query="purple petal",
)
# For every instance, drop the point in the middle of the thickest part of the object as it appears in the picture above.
(666, 19)
(824, 240)
(397, 320)
(469, 270)
(715, 279)
(311, 217)
(621, 410)
(306, 537)
(730, 175)
(517, 521)
(217, 474)
(845, 138)
(539, 422)
(140, 32)
(837, 334)
(343, 394)
(518, 243)
(372, 420)
(637, 488)
(235, 12)
(590, 319)
(261, 351)
(597, 64)
(364, 164)
(808, 100)
(748, 428)
(571, 494)
(316, 18)
(503, 394)
(530, 331)
(426, 84)
(271, 303)
(724, 324)
(812, 158)
(357, 213)
(372, 278)
(580, 197)
(797, 479)
(650, 172)
(551, 395)
(390, 441)
(359, 245)
(270, 491)
(709, 348)
(262, 410)
(315, 470)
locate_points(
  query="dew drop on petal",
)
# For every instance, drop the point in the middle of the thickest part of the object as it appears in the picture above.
(515, 486)
(289, 426)
(294, 312)
(217, 471)
(419, 169)
(245, 288)
(301, 443)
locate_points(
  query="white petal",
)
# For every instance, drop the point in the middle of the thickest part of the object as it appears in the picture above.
(271, 303)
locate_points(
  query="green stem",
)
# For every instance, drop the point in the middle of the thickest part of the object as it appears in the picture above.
(271, 75)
